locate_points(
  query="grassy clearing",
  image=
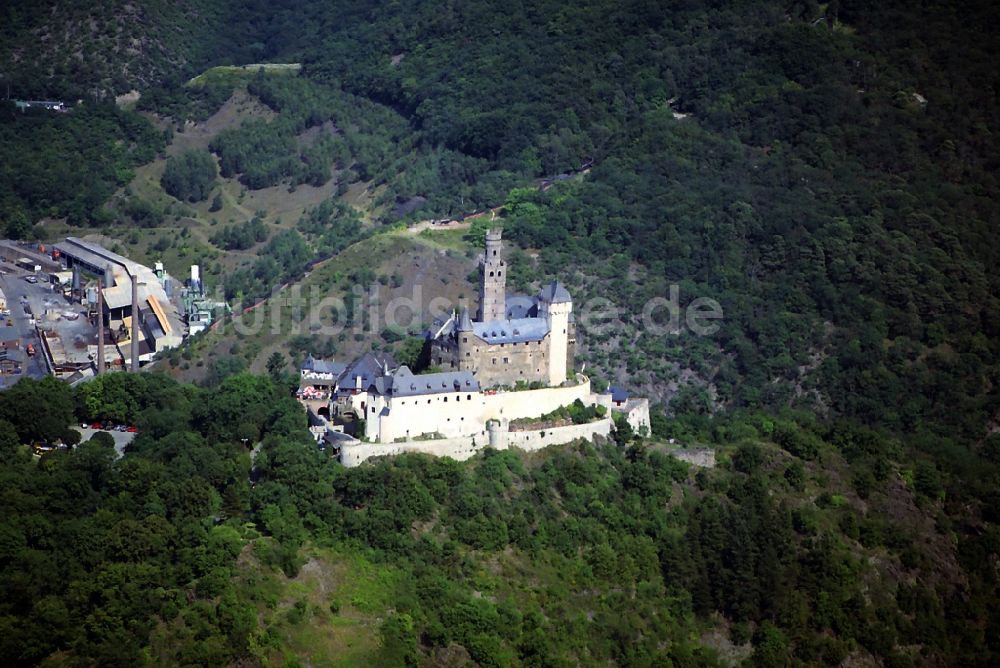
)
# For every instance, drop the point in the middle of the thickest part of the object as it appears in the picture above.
(449, 239)
(225, 74)
(329, 614)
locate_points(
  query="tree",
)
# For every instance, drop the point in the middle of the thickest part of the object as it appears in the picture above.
(18, 225)
(9, 440)
(414, 352)
(102, 439)
(275, 365)
(189, 176)
(623, 432)
(71, 437)
(38, 409)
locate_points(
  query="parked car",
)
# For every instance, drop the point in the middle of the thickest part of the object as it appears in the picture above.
(132, 430)
(96, 425)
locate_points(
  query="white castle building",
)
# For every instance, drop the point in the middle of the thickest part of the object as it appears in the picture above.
(513, 363)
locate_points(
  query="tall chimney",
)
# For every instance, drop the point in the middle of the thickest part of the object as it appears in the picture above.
(100, 327)
(135, 323)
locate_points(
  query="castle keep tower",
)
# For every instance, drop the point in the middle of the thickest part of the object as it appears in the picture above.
(493, 280)
(555, 305)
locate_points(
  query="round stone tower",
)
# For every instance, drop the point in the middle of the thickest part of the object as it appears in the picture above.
(493, 280)
(466, 360)
(555, 305)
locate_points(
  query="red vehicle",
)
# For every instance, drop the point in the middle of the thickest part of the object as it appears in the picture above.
(97, 425)
(30, 350)
(132, 430)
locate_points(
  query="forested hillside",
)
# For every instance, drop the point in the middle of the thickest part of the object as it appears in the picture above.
(813, 542)
(68, 50)
(833, 186)
(827, 172)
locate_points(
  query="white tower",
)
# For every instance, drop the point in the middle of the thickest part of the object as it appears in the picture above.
(555, 305)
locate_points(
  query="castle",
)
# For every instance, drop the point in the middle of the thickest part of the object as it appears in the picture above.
(515, 339)
(501, 373)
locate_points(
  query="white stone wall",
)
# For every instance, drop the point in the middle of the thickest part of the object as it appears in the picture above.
(535, 403)
(637, 414)
(464, 448)
(456, 448)
(451, 414)
(454, 414)
(703, 457)
(541, 438)
(636, 410)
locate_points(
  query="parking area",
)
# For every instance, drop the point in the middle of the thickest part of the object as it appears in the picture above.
(31, 303)
(19, 326)
(122, 438)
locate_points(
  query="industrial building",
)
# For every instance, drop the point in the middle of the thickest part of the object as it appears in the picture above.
(129, 290)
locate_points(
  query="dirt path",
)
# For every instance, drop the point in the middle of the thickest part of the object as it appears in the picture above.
(463, 224)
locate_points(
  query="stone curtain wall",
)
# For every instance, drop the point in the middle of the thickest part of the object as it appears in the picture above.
(466, 447)
(535, 403)
(456, 448)
(541, 438)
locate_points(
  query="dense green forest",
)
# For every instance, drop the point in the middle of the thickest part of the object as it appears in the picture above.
(67, 165)
(814, 541)
(827, 172)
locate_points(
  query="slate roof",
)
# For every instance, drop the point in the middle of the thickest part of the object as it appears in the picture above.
(618, 394)
(310, 363)
(521, 306)
(465, 325)
(554, 293)
(512, 331)
(369, 366)
(403, 383)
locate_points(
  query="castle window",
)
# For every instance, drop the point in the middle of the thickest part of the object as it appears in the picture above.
(494, 252)
(468, 354)
(494, 361)
(469, 397)
(498, 274)
(465, 339)
(506, 360)
(491, 273)
(446, 399)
